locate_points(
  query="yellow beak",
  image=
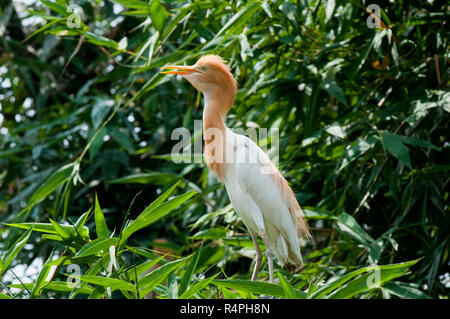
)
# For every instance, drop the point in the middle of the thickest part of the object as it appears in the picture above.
(181, 69)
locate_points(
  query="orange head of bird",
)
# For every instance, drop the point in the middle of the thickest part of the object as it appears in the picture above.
(210, 75)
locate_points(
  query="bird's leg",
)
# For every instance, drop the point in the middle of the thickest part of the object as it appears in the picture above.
(258, 256)
(269, 256)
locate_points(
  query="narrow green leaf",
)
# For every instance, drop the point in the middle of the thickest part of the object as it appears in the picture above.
(60, 230)
(287, 287)
(3, 296)
(42, 277)
(100, 222)
(394, 144)
(58, 286)
(334, 89)
(97, 246)
(143, 267)
(51, 184)
(189, 272)
(151, 280)
(133, 4)
(158, 14)
(50, 229)
(153, 178)
(56, 7)
(112, 283)
(329, 287)
(122, 138)
(197, 287)
(367, 282)
(239, 18)
(349, 226)
(257, 287)
(148, 217)
(82, 220)
(100, 110)
(362, 59)
(100, 40)
(14, 250)
(405, 290)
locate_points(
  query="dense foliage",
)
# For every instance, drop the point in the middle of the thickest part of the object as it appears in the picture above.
(87, 182)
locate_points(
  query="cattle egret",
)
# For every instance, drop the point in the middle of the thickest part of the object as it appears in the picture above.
(257, 190)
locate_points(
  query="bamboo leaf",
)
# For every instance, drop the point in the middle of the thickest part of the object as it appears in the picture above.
(255, 287)
(149, 216)
(100, 223)
(106, 282)
(12, 252)
(197, 287)
(394, 144)
(96, 246)
(188, 273)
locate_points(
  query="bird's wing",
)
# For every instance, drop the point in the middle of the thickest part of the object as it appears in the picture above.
(259, 177)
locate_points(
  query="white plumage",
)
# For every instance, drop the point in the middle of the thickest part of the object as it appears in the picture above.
(258, 200)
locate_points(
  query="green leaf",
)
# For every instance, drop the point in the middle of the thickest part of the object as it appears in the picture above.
(288, 289)
(65, 235)
(326, 289)
(143, 267)
(96, 246)
(363, 57)
(92, 271)
(112, 283)
(289, 9)
(122, 138)
(257, 287)
(329, 9)
(197, 287)
(100, 222)
(239, 18)
(41, 280)
(97, 143)
(349, 226)
(52, 183)
(153, 178)
(82, 220)
(133, 4)
(189, 272)
(3, 296)
(212, 233)
(154, 278)
(56, 7)
(58, 286)
(335, 90)
(359, 148)
(266, 7)
(12, 252)
(149, 216)
(394, 144)
(50, 229)
(158, 14)
(100, 110)
(367, 282)
(246, 50)
(100, 40)
(405, 290)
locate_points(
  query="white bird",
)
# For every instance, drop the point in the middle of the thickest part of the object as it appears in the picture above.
(257, 190)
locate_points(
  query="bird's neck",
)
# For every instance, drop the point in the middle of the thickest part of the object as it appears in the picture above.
(214, 112)
(214, 132)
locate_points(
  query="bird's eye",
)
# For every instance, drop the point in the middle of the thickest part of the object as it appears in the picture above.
(204, 68)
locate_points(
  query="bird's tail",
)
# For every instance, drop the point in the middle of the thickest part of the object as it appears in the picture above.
(294, 208)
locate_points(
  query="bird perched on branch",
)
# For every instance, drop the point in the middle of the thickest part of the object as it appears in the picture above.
(256, 188)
